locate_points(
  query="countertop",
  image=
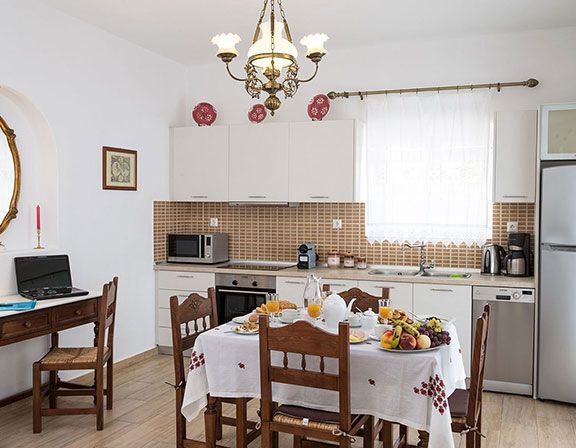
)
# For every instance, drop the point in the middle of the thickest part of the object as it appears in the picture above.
(476, 279)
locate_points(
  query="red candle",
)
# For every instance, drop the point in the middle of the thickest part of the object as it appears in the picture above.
(38, 217)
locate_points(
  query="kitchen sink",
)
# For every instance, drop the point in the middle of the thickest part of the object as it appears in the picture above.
(392, 272)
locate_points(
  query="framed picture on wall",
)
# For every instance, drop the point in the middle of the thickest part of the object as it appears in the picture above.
(558, 132)
(119, 169)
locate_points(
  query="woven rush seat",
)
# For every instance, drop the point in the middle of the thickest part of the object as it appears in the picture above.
(295, 415)
(71, 356)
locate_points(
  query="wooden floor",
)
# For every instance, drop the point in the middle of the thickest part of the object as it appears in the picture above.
(143, 417)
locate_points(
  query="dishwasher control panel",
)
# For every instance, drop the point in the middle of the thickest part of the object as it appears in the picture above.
(520, 295)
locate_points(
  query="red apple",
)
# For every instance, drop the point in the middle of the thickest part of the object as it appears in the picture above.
(386, 339)
(407, 342)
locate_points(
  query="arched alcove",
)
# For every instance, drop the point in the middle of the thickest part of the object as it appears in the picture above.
(39, 161)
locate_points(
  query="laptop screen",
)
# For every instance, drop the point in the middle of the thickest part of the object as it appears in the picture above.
(50, 271)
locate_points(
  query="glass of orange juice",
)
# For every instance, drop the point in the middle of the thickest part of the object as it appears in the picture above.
(315, 308)
(273, 304)
(385, 309)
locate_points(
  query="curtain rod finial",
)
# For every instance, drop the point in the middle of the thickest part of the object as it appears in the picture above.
(532, 82)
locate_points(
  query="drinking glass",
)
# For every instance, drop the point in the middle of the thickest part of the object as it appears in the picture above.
(315, 308)
(385, 309)
(273, 305)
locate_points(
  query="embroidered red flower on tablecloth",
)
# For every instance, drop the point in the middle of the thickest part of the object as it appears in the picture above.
(372, 382)
(435, 389)
(196, 360)
(242, 366)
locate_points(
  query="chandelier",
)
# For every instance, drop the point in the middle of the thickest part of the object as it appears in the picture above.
(271, 55)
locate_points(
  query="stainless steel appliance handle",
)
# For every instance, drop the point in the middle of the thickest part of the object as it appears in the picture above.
(441, 290)
(241, 291)
(559, 247)
(514, 196)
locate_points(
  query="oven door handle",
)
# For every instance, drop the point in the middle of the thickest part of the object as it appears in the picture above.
(240, 291)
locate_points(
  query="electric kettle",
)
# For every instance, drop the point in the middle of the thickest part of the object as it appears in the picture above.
(493, 259)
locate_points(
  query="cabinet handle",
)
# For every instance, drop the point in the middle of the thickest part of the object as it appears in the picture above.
(199, 196)
(181, 295)
(185, 276)
(441, 290)
(319, 197)
(336, 284)
(78, 312)
(257, 197)
(514, 196)
(389, 287)
(293, 283)
(27, 324)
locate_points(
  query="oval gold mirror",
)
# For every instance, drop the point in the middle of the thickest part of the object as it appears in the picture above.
(9, 176)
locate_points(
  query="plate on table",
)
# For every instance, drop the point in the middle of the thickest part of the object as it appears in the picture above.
(374, 337)
(395, 350)
(442, 319)
(239, 320)
(239, 330)
(358, 341)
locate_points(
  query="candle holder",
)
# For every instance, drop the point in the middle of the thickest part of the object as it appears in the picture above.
(39, 246)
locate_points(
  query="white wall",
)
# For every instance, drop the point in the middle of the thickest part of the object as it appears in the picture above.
(546, 55)
(94, 90)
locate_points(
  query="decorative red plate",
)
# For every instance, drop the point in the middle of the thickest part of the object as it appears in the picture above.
(204, 114)
(257, 113)
(318, 107)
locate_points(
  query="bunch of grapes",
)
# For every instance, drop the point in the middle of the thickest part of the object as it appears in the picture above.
(438, 337)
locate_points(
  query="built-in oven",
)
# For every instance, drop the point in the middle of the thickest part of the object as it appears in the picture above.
(197, 248)
(239, 294)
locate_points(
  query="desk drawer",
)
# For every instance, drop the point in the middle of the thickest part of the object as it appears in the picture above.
(79, 311)
(26, 324)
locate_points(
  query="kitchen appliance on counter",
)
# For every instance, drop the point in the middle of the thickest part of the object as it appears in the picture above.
(492, 259)
(510, 352)
(307, 256)
(557, 296)
(197, 248)
(238, 294)
(518, 262)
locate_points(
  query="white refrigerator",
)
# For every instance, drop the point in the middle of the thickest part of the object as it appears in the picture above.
(557, 340)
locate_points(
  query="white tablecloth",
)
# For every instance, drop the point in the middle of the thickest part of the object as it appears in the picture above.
(409, 388)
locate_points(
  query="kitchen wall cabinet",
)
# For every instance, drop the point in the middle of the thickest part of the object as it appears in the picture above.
(400, 293)
(200, 164)
(180, 284)
(452, 301)
(515, 156)
(259, 163)
(322, 161)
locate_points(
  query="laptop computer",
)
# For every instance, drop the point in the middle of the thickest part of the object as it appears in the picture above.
(45, 277)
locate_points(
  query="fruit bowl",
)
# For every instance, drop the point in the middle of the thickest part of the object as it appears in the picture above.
(415, 336)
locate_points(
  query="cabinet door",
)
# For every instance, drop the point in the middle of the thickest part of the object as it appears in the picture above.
(449, 301)
(338, 285)
(292, 289)
(322, 161)
(400, 293)
(200, 163)
(515, 156)
(259, 163)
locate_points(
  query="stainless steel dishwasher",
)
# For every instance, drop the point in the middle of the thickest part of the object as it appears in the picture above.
(510, 350)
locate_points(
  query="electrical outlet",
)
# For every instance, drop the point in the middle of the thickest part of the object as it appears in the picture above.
(511, 227)
(336, 223)
(213, 222)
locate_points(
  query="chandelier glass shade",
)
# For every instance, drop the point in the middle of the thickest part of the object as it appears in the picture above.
(272, 64)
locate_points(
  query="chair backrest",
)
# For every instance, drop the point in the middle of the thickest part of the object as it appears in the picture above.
(304, 339)
(107, 317)
(189, 313)
(478, 365)
(363, 299)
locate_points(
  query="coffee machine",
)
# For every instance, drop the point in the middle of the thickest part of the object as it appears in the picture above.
(518, 262)
(307, 256)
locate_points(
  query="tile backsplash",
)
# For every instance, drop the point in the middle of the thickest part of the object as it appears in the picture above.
(274, 233)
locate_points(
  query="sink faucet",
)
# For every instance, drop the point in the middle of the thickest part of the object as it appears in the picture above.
(423, 265)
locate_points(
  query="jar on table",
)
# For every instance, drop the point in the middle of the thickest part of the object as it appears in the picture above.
(348, 261)
(333, 259)
(361, 263)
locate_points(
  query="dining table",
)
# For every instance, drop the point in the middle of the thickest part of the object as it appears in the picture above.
(406, 387)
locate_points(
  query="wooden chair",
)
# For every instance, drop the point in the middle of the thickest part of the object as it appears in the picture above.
(188, 314)
(305, 339)
(363, 299)
(80, 358)
(466, 405)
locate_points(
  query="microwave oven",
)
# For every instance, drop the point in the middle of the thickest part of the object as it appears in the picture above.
(197, 248)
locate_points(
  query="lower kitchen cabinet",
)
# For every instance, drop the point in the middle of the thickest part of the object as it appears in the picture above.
(292, 289)
(337, 285)
(180, 284)
(453, 301)
(400, 293)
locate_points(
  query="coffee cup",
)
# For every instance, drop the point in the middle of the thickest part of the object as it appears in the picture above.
(379, 329)
(354, 320)
(288, 315)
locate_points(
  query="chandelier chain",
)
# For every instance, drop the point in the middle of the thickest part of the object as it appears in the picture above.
(281, 10)
(257, 32)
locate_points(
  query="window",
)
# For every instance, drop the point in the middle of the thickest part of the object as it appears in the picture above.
(427, 167)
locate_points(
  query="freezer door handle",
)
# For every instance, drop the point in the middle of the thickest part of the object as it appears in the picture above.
(559, 247)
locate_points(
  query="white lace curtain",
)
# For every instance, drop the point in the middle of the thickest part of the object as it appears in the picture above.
(427, 167)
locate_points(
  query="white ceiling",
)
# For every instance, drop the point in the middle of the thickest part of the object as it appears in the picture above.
(181, 29)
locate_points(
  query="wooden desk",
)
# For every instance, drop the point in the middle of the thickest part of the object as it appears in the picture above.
(49, 317)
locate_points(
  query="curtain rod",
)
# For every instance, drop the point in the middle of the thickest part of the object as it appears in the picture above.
(497, 85)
